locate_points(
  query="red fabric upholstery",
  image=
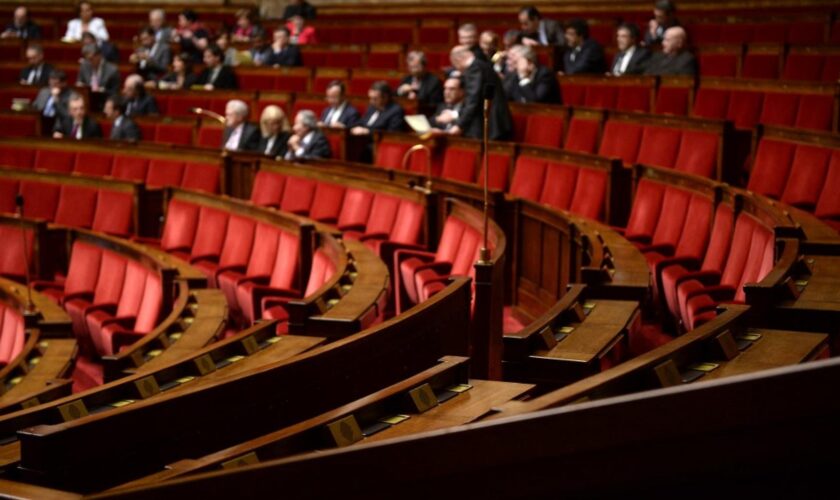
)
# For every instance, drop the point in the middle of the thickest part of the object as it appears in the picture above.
(744, 108)
(800, 66)
(647, 205)
(268, 189)
(13, 259)
(771, 167)
(236, 249)
(210, 233)
(298, 195)
(8, 192)
(672, 100)
(327, 202)
(93, 163)
(621, 140)
(82, 273)
(355, 208)
(383, 212)
(114, 213)
(499, 166)
(807, 175)
(450, 240)
(201, 177)
(711, 103)
(131, 168)
(260, 263)
(164, 173)
(172, 133)
(55, 160)
(590, 193)
(779, 109)
(390, 154)
(109, 285)
(582, 136)
(760, 65)
(672, 217)
(17, 157)
(828, 205)
(719, 63)
(282, 276)
(11, 334)
(131, 294)
(559, 185)
(76, 206)
(528, 177)
(40, 199)
(180, 226)
(698, 153)
(544, 130)
(659, 146)
(633, 98)
(408, 224)
(460, 164)
(816, 112)
(600, 96)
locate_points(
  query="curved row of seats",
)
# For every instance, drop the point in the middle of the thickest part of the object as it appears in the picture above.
(12, 333)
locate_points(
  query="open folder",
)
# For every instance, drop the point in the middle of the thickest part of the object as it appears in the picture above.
(418, 123)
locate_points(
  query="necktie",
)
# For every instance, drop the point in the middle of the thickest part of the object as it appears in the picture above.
(74, 131)
(129, 107)
(373, 118)
(617, 66)
(269, 145)
(329, 119)
(33, 76)
(49, 108)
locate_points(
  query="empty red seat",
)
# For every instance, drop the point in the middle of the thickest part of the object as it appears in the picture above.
(744, 108)
(723, 63)
(390, 154)
(76, 206)
(23, 125)
(11, 334)
(97, 316)
(147, 318)
(644, 215)
(380, 220)
(659, 146)
(459, 164)
(528, 177)
(322, 270)
(114, 212)
(55, 160)
(698, 153)
(498, 163)
(600, 96)
(298, 195)
(40, 199)
(355, 209)
(327, 202)
(803, 66)
(209, 136)
(807, 176)
(236, 249)
(559, 185)
(621, 140)
(771, 167)
(779, 109)
(82, 274)
(108, 289)
(266, 242)
(93, 163)
(251, 290)
(180, 226)
(634, 98)
(590, 194)
(164, 173)
(816, 112)
(583, 135)
(828, 204)
(15, 257)
(544, 130)
(130, 168)
(201, 177)
(8, 193)
(209, 235)
(173, 133)
(17, 157)
(762, 63)
(268, 189)
(672, 100)
(711, 103)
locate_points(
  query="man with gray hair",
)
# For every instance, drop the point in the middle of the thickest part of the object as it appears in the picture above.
(307, 140)
(468, 36)
(157, 21)
(37, 72)
(480, 82)
(239, 135)
(530, 82)
(76, 124)
(420, 85)
(97, 73)
(674, 58)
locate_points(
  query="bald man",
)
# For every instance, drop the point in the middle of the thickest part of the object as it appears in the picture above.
(478, 77)
(674, 58)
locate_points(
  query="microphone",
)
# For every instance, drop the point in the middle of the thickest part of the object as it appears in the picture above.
(212, 114)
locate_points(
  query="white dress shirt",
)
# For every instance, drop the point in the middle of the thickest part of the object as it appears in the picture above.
(625, 61)
(96, 27)
(232, 143)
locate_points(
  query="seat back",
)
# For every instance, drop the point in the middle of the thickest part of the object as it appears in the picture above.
(150, 305)
(264, 252)
(322, 271)
(132, 289)
(286, 261)
(93, 163)
(110, 279)
(720, 239)
(162, 173)
(76, 206)
(355, 208)
(83, 270)
(698, 153)
(590, 194)
(771, 167)
(268, 189)
(40, 199)
(181, 224)
(450, 238)
(739, 250)
(647, 205)
(658, 147)
(807, 176)
(239, 239)
(621, 140)
(828, 204)
(408, 224)
(460, 164)
(583, 135)
(210, 232)
(298, 195)
(528, 177)
(383, 212)
(327, 202)
(114, 212)
(671, 222)
(559, 185)
(132, 168)
(544, 130)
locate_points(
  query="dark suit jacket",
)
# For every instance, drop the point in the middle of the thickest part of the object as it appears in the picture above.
(109, 80)
(278, 148)
(29, 31)
(680, 64)
(638, 61)
(430, 92)
(142, 105)
(660, 33)
(248, 141)
(318, 147)
(542, 87)
(392, 118)
(226, 78)
(190, 79)
(471, 118)
(289, 56)
(90, 129)
(349, 115)
(440, 108)
(479, 54)
(127, 130)
(304, 10)
(43, 78)
(44, 96)
(553, 32)
(160, 56)
(588, 59)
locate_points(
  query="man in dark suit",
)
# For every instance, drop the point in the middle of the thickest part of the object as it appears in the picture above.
(538, 31)
(300, 8)
(531, 82)
(239, 135)
(137, 101)
(583, 55)
(631, 58)
(453, 101)
(216, 75)
(382, 113)
(340, 113)
(479, 77)
(468, 35)
(152, 57)
(21, 26)
(282, 52)
(663, 18)
(674, 59)
(97, 73)
(52, 101)
(420, 85)
(77, 124)
(307, 141)
(37, 73)
(123, 127)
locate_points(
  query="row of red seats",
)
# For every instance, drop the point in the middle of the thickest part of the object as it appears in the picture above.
(153, 171)
(248, 260)
(112, 300)
(816, 64)
(12, 333)
(99, 208)
(365, 215)
(18, 249)
(804, 175)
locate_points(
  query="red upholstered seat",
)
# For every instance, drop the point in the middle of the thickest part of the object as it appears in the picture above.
(327, 202)
(298, 195)
(236, 249)
(383, 212)
(260, 263)
(11, 334)
(323, 269)
(180, 226)
(723, 63)
(14, 259)
(209, 136)
(82, 274)
(779, 109)
(409, 262)
(8, 192)
(499, 166)
(108, 289)
(659, 146)
(126, 308)
(40, 199)
(210, 234)
(17, 157)
(633, 98)
(803, 66)
(621, 140)
(711, 103)
(672, 100)
(559, 185)
(644, 215)
(574, 93)
(76, 206)
(147, 317)
(427, 281)
(201, 177)
(764, 64)
(173, 133)
(698, 153)
(583, 135)
(672, 219)
(55, 160)
(131, 168)
(114, 212)
(528, 177)
(250, 291)
(590, 194)
(23, 125)
(355, 209)
(544, 130)
(744, 108)
(164, 173)
(460, 164)
(600, 96)
(807, 176)
(93, 163)
(268, 189)
(408, 224)
(828, 204)
(816, 112)
(771, 167)
(390, 154)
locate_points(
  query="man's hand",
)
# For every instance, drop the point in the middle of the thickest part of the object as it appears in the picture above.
(530, 42)
(456, 130)
(360, 130)
(445, 117)
(58, 135)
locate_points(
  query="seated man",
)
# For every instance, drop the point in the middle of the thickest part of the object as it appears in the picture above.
(307, 141)
(239, 135)
(97, 73)
(37, 72)
(674, 58)
(157, 21)
(53, 100)
(137, 101)
(538, 31)
(479, 78)
(420, 85)
(282, 51)
(530, 82)
(382, 114)
(631, 58)
(21, 26)
(340, 113)
(152, 57)
(453, 100)
(583, 55)
(123, 127)
(216, 76)
(77, 124)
